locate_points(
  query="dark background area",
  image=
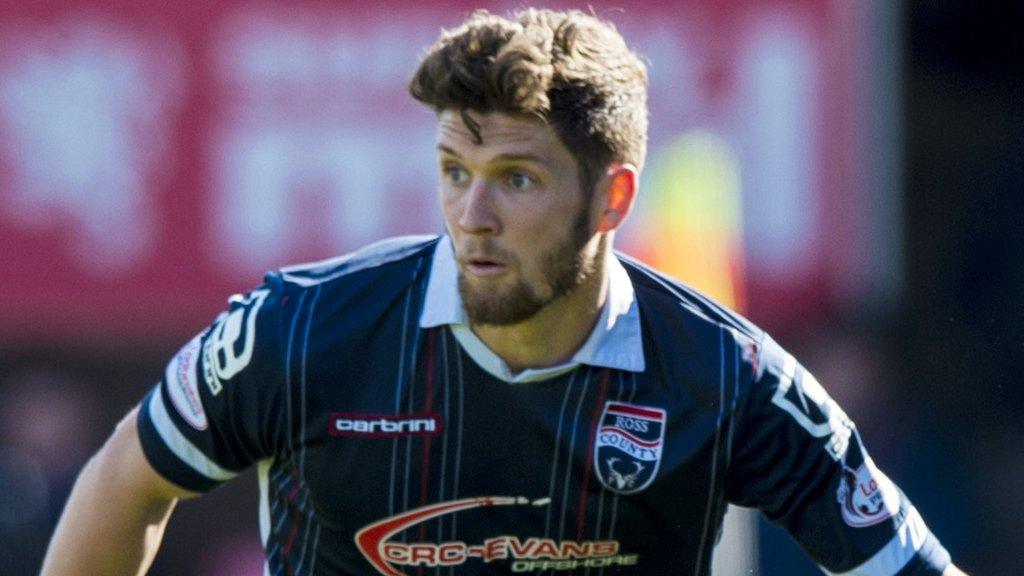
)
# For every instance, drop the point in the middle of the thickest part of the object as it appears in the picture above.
(958, 340)
(962, 329)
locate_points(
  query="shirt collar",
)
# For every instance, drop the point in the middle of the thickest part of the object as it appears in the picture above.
(615, 342)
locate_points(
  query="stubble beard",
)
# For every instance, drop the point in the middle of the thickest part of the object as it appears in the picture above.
(566, 268)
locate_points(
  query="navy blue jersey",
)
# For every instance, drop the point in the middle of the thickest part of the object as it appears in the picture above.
(389, 444)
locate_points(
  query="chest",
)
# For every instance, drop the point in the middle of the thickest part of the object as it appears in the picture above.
(446, 465)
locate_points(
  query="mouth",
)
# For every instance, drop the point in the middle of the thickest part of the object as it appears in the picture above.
(484, 267)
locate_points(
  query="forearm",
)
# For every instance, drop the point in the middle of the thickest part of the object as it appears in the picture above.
(952, 570)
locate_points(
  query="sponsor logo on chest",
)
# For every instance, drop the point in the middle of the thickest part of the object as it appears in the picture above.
(390, 554)
(384, 425)
(628, 446)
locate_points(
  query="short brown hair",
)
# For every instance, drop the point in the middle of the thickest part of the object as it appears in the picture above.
(569, 68)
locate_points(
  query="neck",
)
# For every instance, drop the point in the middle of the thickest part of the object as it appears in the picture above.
(554, 334)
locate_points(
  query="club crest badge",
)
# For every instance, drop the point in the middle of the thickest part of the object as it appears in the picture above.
(627, 450)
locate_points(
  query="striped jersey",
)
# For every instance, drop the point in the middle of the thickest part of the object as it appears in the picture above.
(389, 440)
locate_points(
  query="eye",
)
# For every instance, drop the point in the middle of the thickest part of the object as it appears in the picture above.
(521, 181)
(455, 174)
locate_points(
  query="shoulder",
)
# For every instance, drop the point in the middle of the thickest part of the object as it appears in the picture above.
(360, 282)
(699, 344)
(378, 258)
(666, 300)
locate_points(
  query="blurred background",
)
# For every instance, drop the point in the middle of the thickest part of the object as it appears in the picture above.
(846, 173)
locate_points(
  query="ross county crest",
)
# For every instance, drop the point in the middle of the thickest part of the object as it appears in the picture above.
(627, 450)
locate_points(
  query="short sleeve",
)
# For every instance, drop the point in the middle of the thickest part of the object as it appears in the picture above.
(799, 458)
(220, 404)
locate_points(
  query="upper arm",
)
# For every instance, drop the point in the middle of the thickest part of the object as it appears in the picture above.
(800, 459)
(115, 516)
(220, 405)
(127, 466)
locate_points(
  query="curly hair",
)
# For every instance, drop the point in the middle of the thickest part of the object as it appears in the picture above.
(571, 69)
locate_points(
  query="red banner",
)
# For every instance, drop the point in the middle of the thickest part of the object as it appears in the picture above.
(155, 158)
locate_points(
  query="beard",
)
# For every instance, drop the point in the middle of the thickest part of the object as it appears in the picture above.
(564, 268)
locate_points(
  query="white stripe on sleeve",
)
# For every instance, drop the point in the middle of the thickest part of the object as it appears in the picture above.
(180, 445)
(895, 555)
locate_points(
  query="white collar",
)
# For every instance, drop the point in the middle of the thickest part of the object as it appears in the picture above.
(615, 341)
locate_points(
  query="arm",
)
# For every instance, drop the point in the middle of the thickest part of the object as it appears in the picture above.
(115, 517)
(800, 459)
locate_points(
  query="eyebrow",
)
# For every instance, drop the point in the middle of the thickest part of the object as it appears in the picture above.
(502, 157)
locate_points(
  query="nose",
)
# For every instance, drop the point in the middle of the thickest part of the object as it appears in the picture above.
(478, 214)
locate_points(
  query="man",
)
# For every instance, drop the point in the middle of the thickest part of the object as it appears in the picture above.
(513, 397)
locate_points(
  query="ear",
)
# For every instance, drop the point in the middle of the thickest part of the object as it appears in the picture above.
(620, 185)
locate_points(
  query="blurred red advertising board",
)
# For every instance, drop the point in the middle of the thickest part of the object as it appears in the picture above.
(155, 158)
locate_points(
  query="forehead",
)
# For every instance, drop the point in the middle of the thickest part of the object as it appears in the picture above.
(501, 135)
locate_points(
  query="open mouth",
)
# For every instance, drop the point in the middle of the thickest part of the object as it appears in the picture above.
(483, 267)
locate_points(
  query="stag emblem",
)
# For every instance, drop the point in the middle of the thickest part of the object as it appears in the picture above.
(623, 481)
(628, 444)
